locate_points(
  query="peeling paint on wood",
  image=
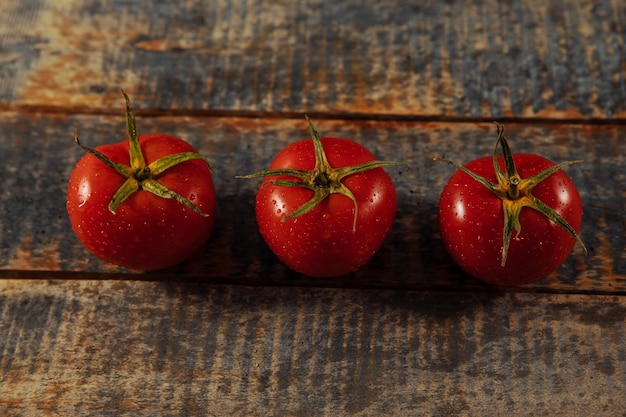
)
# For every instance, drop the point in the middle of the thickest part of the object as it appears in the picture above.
(101, 347)
(409, 334)
(523, 58)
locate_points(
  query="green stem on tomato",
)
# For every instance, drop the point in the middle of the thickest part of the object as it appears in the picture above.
(323, 180)
(138, 176)
(515, 192)
(136, 155)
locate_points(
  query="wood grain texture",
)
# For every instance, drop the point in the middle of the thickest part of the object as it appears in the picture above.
(126, 348)
(524, 58)
(409, 334)
(37, 154)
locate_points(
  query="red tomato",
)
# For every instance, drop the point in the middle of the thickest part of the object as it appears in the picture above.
(330, 239)
(472, 224)
(147, 231)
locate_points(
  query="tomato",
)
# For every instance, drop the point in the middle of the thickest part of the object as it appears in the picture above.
(512, 226)
(146, 203)
(325, 205)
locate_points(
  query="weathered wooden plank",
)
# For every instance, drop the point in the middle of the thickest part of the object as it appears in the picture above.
(137, 348)
(37, 154)
(528, 58)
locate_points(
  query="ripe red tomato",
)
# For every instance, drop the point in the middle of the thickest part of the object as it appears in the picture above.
(143, 219)
(309, 220)
(477, 224)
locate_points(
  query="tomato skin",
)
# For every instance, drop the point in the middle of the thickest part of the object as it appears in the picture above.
(147, 232)
(471, 224)
(321, 243)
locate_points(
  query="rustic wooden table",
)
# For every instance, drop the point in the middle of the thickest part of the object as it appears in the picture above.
(232, 331)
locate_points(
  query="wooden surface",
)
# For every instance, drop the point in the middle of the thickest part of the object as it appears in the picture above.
(88, 347)
(557, 59)
(234, 332)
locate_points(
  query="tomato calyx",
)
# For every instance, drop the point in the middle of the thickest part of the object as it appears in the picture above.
(323, 179)
(515, 192)
(142, 176)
